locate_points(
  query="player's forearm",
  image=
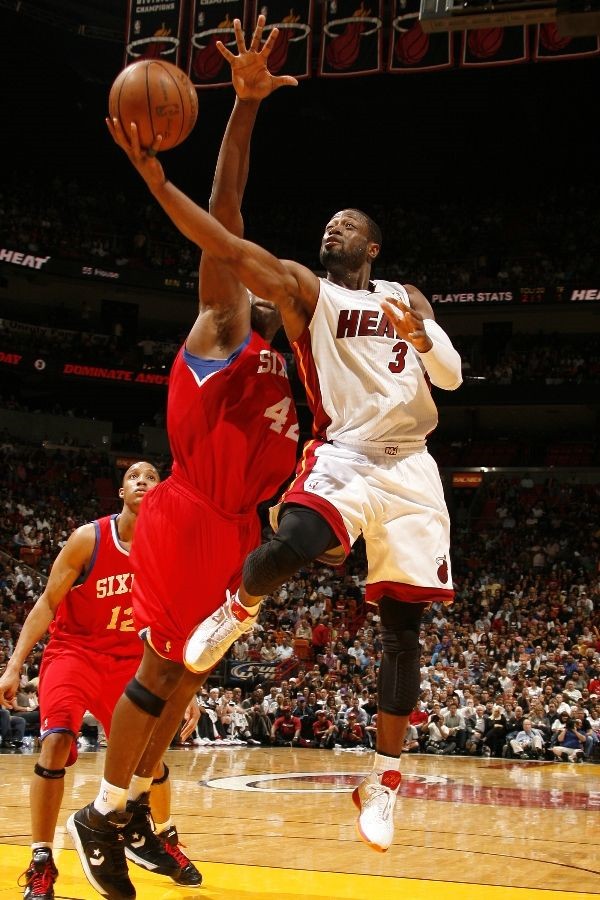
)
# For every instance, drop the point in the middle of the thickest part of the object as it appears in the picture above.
(260, 271)
(231, 173)
(35, 627)
(442, 362)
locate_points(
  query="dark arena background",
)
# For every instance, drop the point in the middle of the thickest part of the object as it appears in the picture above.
(476, 149)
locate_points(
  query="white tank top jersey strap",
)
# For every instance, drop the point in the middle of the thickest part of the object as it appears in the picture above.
(370, 387)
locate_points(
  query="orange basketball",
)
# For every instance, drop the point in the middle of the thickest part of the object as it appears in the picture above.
(158, 97)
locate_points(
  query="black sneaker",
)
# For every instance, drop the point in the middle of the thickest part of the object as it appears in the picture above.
(142, 846)
(187, 874)
(40, 876)
(100, 844)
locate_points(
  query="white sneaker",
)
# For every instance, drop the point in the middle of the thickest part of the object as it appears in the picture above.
(375, 797)
(209, 641)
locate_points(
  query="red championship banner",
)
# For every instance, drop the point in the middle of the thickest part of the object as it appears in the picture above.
(550, 45)
(410, 49)
(153, 30)
(291, 54)
(351, 40)
(494, 46)
(212, 21)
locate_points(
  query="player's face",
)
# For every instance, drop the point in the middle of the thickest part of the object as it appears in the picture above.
(139, 478)
(265, 318)
(345, 242)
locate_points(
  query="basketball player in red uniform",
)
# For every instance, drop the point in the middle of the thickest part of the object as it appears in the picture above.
(367, 351)
(93, 652)
(233, 431)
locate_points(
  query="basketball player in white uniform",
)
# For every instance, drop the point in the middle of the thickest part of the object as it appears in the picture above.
(366, 352)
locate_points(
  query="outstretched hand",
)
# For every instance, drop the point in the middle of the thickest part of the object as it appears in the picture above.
(249, 73)
(144, 160)
(408, 323)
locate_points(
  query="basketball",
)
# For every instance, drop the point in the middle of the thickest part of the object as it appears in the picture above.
(159, 97)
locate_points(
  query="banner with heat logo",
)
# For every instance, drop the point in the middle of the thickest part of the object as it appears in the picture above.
(410, 49)
(494, 46)
(550, 45)
(291, 54)
(211, 23)
(152, 33)
(351, 38)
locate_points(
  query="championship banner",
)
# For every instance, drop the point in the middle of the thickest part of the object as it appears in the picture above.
(550, 45)
(292, 52)
(153, 30)
(351, 39)
(212, 21)
(494, 46)
(410, 49)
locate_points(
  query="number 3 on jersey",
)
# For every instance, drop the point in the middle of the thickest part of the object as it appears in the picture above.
(279, 413)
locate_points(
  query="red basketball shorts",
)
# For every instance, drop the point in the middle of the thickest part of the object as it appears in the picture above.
(73, 680)
(185, 554)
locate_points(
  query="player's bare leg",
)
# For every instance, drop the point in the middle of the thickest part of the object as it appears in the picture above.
(141, 845)
(98, 831)
(45, 798)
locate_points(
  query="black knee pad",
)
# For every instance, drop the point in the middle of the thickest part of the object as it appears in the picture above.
(52, 774)
(163, 777)
(144, 699)
(399, 674)
(302, 536)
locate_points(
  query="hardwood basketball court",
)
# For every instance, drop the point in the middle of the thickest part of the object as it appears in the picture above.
(279, 824)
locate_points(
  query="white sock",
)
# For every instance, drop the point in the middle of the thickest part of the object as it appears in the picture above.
(138, 786)
(383, 763)
(110, 798)
(39, 845)
(159, 827)
(251, 610)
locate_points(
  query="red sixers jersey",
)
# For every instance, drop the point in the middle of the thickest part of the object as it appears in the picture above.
(233, 433)
(96, 614)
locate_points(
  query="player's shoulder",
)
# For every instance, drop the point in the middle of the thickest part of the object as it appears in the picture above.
(84, 533)
(80, 544)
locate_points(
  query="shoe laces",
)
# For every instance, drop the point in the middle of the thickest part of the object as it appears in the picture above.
(381, 798)
(226, 626)
(116, 852)
(41, 882)
(175, 851)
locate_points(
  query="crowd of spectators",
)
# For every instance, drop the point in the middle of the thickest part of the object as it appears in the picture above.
(532, 359)
(511, 668)
(496, 242)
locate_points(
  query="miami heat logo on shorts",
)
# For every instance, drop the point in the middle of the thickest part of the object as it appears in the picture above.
(442, 572)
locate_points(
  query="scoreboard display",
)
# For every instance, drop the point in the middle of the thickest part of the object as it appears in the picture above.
(572, 17)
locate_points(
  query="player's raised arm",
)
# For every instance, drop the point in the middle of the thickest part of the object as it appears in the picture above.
(224, 318)
(291, 286)
(286, 283)
(68, 566)
(252, 83)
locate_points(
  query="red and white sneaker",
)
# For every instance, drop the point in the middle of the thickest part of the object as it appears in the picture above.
(209, 641)
(188, 875)
(40, 876)
(375, 797)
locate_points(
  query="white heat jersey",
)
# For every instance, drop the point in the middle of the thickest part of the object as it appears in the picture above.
(364, 384)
